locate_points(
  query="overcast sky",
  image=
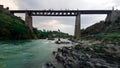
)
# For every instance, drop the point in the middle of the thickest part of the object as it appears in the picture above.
(65, 24)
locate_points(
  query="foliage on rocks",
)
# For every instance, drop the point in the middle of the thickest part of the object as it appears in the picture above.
(13, 28)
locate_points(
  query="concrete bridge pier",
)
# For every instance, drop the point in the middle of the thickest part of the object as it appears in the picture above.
(77, 27)
(28, 20)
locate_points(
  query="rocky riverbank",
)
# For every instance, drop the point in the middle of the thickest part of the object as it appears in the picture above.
(88, 56)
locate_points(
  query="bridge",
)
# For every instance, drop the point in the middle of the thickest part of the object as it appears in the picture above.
(76, 13)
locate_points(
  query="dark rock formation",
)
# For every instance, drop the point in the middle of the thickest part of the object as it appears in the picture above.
(111, 26)
(73, 57)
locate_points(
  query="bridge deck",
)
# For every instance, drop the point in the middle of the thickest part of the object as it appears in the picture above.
(60, 12)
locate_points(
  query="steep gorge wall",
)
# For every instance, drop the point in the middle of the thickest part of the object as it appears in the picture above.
(110, 25)
(113, 16)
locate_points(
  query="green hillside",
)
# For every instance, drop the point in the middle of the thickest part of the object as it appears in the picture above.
(13, 28)
(104, 31)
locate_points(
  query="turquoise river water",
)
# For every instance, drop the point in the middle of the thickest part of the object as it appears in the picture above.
(26, 54)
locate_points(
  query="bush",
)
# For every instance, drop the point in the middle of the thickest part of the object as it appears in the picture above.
(13, 27)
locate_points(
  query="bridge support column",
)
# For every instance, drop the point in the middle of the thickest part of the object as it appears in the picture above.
(28, 20)
(77, 27)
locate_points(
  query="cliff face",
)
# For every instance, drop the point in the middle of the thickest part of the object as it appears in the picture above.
(94, 29)
(110, 25)
(12, 27)
(114, 26)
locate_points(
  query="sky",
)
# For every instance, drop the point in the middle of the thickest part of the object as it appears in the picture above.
(65, 24)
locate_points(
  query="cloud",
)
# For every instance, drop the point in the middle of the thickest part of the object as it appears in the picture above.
(86, 20)
(12, 4)
(54, 25)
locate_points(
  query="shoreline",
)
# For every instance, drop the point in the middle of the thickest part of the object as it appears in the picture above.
(87, 56)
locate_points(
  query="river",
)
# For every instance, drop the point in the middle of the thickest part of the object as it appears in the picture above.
(26, 54)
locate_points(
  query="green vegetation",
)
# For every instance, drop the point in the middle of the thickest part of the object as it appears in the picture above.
(54, 34)
(13, 28)
(98, 48)
(108, 37)
(103, 31)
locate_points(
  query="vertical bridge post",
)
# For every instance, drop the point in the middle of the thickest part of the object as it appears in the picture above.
(28, 20)
(77, 27)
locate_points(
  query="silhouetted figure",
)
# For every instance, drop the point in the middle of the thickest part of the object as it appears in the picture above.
(59, 35)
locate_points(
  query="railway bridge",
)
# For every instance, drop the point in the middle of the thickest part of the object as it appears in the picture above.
(76, 13)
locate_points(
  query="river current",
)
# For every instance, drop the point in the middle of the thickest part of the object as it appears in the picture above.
(26, 54)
